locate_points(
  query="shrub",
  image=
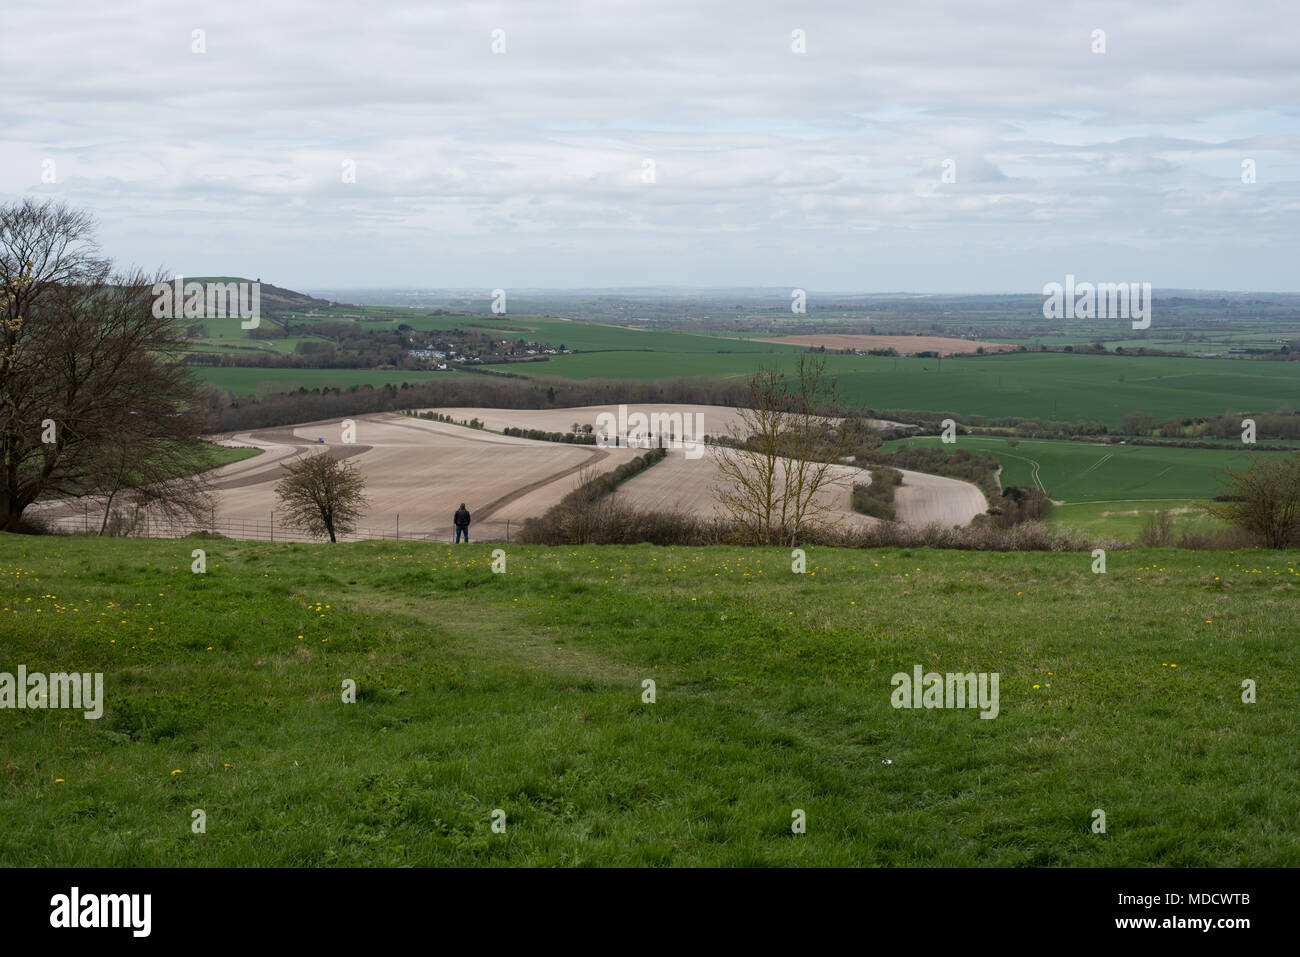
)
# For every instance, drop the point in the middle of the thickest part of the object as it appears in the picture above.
(877, 497)
(1264, 501)
(1217, 539)
(1020, 504)
(1157, 530)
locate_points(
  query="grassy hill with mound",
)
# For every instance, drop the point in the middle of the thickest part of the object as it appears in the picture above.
(274, 299)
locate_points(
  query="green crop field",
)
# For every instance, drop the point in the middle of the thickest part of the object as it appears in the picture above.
(580, 336)
(1058, 386)
(647, 366)
(523, 692)
(218, 344)
(1097, 472)
(596, 336)
(1054, 386)
(1268, 338)
(247, 381)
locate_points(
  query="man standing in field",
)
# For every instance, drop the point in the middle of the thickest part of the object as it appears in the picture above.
(461, 518)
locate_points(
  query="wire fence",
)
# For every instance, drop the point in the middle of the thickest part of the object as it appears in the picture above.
(143, 525)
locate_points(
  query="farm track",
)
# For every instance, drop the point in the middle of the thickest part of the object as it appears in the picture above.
(1097, 464)
(488, 510)
(1033, 470)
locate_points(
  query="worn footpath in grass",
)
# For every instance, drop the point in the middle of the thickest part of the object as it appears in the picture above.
(523, 692)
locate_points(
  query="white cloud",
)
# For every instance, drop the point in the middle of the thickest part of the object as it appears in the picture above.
(526, 168)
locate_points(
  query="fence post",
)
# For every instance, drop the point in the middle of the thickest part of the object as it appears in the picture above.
(272, 525)
(85, 518)
(398, 536)
(214, 521)
(507, 530)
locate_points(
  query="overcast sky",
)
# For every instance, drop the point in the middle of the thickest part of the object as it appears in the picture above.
(822, 170)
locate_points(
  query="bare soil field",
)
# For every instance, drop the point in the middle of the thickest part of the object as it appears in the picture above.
(691, 486)
(413, 468)
(422, 470)
(718, 419)
(680, 484)
(905, 345)
(923, 499)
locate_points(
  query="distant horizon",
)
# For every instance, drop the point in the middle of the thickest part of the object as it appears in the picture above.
(459, 291)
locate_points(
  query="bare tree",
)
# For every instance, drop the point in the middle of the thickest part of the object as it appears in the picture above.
(92, 400)
(750, 466)
(322, 495)
(812, 446)
(783, 455)
(1264, 500)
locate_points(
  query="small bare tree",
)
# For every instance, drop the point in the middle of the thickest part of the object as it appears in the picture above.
(322, 495)
(751, 490)
(1264, 500)
(784, 455)
(812, 447)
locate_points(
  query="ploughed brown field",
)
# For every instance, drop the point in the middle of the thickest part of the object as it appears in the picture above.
(718, 419)
(422, 470)
(943, 345)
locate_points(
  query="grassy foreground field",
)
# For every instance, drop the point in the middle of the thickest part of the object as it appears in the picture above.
(523, 692)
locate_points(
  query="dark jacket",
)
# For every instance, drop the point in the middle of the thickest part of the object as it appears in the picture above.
(462, 518)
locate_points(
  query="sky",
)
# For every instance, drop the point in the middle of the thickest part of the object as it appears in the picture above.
(851, 146)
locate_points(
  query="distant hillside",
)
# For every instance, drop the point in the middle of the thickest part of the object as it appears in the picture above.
(275, 300)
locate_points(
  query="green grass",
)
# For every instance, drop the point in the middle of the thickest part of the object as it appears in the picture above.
(222, 455)
(216, 456)
(522, 691)
(247, 381)
(247, 346)
(598, 336)
(1124, 520)
(1097, 472)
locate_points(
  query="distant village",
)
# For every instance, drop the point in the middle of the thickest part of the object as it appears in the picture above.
(335, 345)
(503, 350)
